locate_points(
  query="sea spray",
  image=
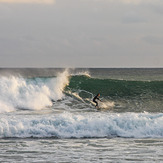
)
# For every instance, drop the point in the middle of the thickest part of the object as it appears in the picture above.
(62, 80)
(30, 93)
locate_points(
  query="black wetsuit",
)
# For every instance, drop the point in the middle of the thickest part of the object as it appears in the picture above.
(94, 100)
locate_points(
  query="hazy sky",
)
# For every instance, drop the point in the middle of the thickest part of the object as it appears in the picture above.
(81, 33)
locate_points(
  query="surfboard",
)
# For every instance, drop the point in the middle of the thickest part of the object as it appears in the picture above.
(103, 105)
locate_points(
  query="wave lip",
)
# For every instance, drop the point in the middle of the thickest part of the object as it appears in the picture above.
(94, 125)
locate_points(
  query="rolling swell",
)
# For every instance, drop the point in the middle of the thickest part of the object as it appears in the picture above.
(137, 96)
(116, 88)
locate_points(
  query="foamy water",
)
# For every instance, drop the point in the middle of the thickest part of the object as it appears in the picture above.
(90, 125)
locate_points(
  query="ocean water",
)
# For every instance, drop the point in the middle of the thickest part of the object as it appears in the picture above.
(47, 115)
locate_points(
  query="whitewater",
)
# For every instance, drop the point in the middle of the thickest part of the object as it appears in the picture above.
(52, 108)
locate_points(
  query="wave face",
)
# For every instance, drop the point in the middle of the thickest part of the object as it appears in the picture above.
(84, 125)
(134, 96)
(117, 88)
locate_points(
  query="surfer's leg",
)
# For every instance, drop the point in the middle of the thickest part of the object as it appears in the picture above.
(96, 104)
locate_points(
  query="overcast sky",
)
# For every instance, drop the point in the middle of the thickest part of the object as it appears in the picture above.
(81, 33)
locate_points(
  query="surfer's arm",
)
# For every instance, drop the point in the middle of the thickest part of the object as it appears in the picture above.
(99, 99)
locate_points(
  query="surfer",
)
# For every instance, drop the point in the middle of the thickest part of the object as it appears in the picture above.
(96, 98)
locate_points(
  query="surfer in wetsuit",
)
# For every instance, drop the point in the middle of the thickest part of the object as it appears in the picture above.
(96, 98)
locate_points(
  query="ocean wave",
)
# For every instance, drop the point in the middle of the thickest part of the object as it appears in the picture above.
(124, 95)
(92, 125)
(116, 88)
(37, 93)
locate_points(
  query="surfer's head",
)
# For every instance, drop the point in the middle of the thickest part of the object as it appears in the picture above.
(98, 94)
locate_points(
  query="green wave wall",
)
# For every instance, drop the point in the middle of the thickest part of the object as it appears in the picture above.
(116, 88)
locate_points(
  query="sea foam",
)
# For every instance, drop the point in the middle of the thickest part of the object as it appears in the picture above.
(90, 125)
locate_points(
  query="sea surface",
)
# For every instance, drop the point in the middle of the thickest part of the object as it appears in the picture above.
(47, 115)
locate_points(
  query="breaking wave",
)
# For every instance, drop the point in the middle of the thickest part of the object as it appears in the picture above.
(30, 93)
(92, 125)
(38, 93)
